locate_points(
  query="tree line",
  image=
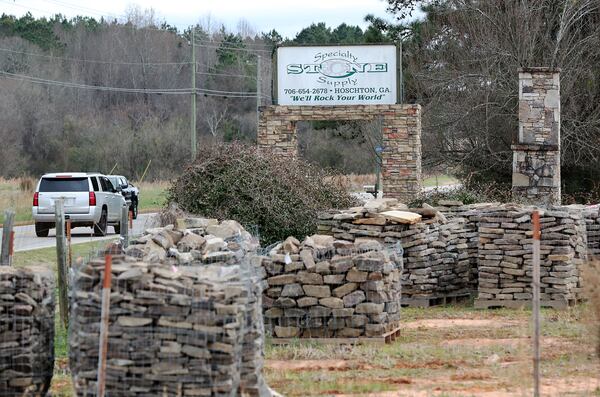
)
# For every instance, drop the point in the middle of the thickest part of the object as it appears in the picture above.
(460, 63)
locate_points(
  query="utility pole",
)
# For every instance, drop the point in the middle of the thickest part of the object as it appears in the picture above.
(193, 109)
(258, 91)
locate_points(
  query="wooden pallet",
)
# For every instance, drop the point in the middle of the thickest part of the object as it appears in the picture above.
(428, 301)
(520, 304)
(386, 338)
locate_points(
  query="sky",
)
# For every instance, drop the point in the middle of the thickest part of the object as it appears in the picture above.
(288, 17)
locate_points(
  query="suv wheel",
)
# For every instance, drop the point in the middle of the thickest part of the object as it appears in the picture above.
(100, 227)
(117, 227)
(42, 229)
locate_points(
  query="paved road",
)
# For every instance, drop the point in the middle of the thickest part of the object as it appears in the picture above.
(25, 238)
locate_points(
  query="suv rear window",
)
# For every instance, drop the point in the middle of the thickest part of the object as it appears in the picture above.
(64, 185)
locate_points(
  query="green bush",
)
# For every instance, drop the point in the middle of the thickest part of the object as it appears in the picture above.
(281, 196)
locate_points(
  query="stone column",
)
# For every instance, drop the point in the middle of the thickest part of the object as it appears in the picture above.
(536, 154)
(277, 130)
(401, 157)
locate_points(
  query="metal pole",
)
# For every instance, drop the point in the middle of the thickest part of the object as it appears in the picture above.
(7, 228)
(61, 260)
(125, 225)
(193, 108)
(104, 315)
(258, 90)
(401, 75)
(536, 303)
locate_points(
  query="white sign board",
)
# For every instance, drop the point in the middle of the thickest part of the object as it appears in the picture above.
(337, 75)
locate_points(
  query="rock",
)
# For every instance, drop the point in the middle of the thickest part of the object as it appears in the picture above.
(214, 244)
(282, 279)
(369, 262)
(320, 240)
(333, 303)
(309, 278)
(354, 298)
(292, 290)
(290, 245)
(163, 239)
(196, 223)
(307, 259)
(226, 230)
(189, 242)
(287, 332)
(344, 290)
(133, 321)
(356, 276)
(369, 308)
(307, 301)
(317, 291)
(402, 217)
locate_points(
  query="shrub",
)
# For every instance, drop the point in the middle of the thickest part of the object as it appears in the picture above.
(281, 196)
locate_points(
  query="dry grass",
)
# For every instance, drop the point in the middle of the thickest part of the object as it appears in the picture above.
(484, 353)
(17, 194)
(591, 275)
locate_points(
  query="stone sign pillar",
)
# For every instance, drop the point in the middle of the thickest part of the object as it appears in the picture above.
(401, 151)
(536, 155)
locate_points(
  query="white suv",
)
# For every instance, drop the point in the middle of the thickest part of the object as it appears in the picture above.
(89, 200)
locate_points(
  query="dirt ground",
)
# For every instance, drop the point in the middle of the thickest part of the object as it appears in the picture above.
(452, 351)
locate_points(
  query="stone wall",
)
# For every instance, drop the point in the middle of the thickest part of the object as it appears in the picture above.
(401, 156)
(323, 288)
(439, 252)
(536, 154)
(505, 256)
(185, 317)
(26, 331)
(483, 249)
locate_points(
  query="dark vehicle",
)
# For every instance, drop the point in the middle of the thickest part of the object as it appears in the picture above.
(130, 192)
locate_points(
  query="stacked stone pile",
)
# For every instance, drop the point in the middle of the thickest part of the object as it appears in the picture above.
(185, 315)
(323, 288)
(467, 246)
(505, 256)
(592, 223)
(26, 331)
(439, 252)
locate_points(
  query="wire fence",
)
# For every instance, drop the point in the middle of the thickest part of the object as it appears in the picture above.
(331, 288)
(191, 322)
(184, 321)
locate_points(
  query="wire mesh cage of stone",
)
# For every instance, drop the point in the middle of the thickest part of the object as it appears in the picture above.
(324, 288)
(179, 324)
(26, 331)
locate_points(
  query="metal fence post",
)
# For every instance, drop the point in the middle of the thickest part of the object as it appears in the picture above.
(104, 323)
(61, 261)
(7, 235)
(125, 226)
(536, 302)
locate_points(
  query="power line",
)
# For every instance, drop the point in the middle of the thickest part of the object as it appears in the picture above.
(86, 9)
(227, 75)
(92, 60)
(67, 84)
(166, 91)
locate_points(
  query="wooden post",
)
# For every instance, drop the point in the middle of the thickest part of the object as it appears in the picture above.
(131, 220)
(11, 248)
(103, 348)
(536, 303)
(69, 242)
(61, 261)
(125, 225)
(7, 230)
